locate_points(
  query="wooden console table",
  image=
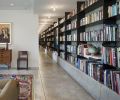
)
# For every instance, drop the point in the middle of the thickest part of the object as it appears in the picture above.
(6, 57)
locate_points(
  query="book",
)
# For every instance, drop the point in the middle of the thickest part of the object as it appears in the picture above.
(71, 49)
(118, 57)
(72, 59)
(108, 56)
(62, 55)
(113, 10)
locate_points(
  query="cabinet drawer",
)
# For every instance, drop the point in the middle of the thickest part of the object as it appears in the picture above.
(5, 56)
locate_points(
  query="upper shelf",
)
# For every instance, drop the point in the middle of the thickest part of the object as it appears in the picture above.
(90, 8)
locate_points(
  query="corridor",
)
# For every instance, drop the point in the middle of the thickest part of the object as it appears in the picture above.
(57, 84)
(51, 82)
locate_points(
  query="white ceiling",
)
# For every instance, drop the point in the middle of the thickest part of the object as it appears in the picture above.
(42, 8)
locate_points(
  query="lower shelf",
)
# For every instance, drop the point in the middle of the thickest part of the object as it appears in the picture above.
(93, 87)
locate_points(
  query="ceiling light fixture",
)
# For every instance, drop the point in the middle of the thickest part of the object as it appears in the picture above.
(53, 8)
(11, 4)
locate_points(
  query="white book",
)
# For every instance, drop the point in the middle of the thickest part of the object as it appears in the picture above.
(118, 55)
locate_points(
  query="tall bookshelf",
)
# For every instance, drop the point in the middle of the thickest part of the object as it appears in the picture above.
(42, 39)
(61, 40)
(88, 38)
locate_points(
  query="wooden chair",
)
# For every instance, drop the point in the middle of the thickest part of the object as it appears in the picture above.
(22, 61)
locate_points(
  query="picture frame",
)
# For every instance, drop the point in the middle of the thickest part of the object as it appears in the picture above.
(5, 33)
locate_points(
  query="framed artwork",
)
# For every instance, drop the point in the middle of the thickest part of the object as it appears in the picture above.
(5, 33)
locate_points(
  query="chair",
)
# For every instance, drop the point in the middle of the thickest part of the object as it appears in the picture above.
(22, 61)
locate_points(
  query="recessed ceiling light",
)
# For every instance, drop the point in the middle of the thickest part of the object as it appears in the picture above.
(53, 8)
(11, 4)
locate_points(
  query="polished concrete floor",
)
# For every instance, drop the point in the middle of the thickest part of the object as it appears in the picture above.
(51, 82)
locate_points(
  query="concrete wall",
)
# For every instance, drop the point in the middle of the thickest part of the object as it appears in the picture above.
(24, 34)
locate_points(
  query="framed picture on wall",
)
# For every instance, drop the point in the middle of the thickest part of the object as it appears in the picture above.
(5, 33)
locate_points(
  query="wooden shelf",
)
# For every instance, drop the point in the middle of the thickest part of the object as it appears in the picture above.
(92, 7)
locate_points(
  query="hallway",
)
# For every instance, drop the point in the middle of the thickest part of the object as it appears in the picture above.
(51, 82)
(57, 84)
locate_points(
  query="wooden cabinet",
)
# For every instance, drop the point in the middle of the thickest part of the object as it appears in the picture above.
(6, 57)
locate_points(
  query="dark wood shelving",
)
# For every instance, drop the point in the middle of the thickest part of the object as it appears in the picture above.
(71, 53)
(62, 50)
(62, 33)
(74, 29)
(80, 15)
(61, 24)
(73, 17)
(61, 41)
(92, 24)
(92, 7)
(81, 57)
(68, 30)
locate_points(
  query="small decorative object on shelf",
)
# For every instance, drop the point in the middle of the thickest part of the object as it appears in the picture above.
(92, 49)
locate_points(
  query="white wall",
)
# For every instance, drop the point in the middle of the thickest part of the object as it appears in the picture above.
(24, 34)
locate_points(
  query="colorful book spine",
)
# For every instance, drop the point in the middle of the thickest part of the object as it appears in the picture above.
(108, 56)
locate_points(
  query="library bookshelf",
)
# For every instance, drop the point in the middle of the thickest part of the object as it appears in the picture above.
(88, 39)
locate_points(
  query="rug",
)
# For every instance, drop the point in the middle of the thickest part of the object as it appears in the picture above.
(25, 83)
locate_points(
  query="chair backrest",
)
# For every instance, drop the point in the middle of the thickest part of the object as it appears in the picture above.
(22, 54)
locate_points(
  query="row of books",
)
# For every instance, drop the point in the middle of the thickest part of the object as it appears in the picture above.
(50, 39)
(62, 38)
(71, 59)
(108, 33)
(62, 29)
(94, 69)
(62, 20)
(52, 33)
(109, 56)
(62, 55)
(72, 14)
(92, 17)
(74, 24)
(72, 37)
(81, 50)
(118, 57)
(112, 80)
(69, 27)
(87, 3)
(114, 9)
(71, 49)
(90, 67)
(56, 24)
(62, 47)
